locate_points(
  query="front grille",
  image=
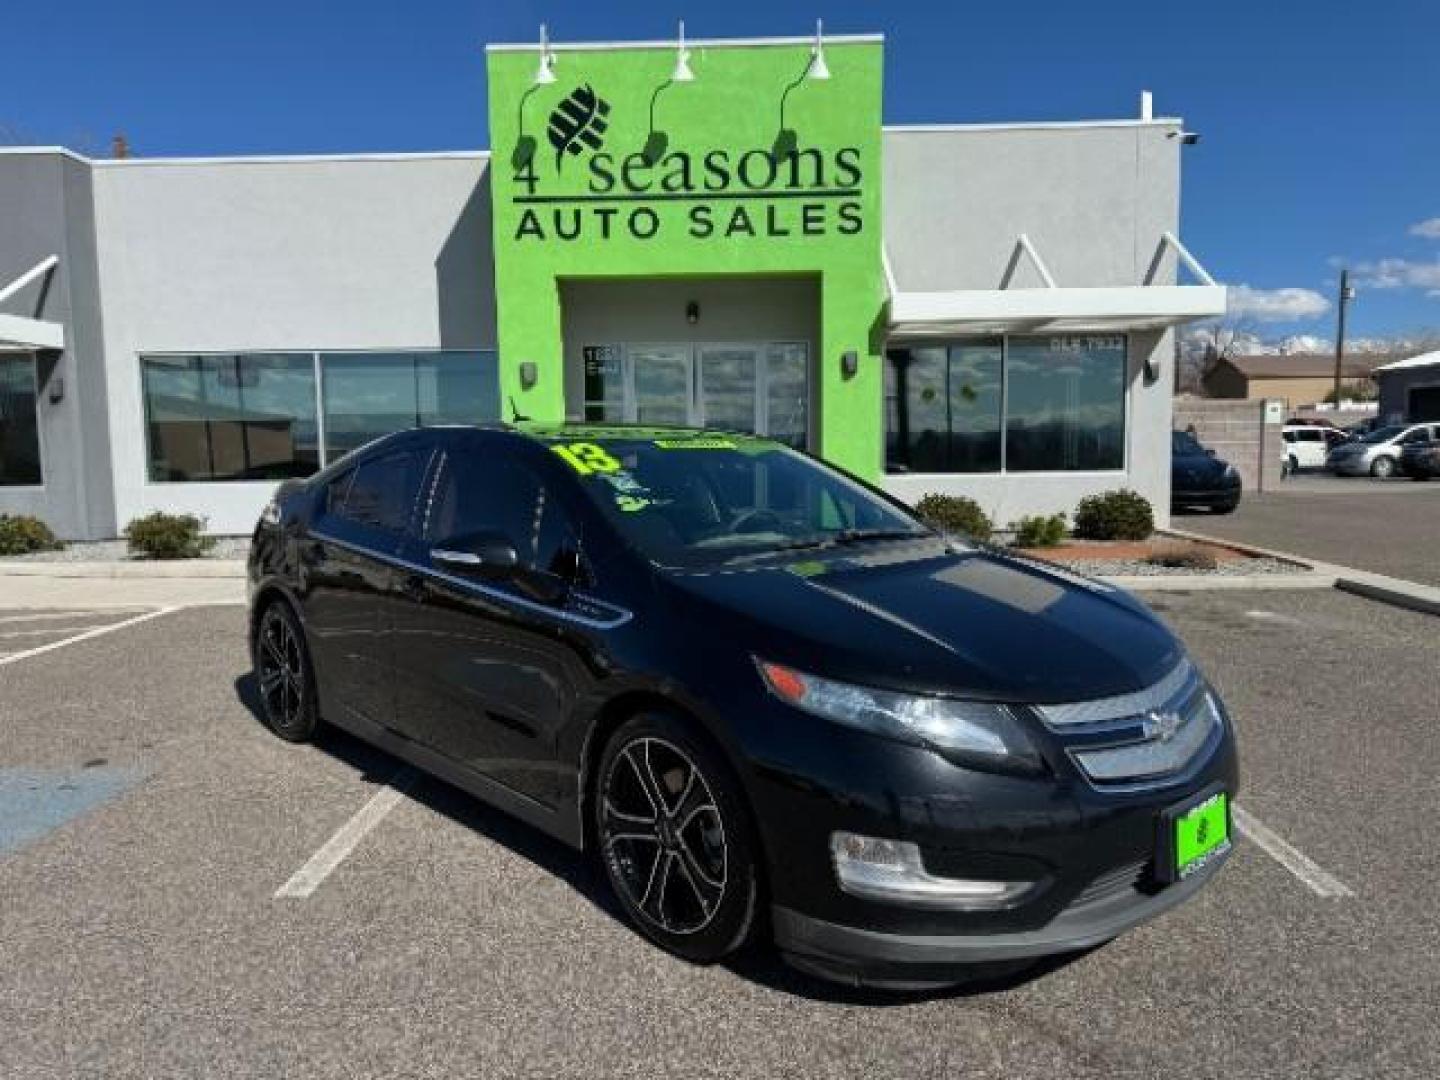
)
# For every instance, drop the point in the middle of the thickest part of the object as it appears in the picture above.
(1144, 737)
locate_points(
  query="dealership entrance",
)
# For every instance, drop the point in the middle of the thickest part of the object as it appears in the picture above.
(761, 387)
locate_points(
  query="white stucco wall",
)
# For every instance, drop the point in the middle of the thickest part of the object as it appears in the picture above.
(256, 255)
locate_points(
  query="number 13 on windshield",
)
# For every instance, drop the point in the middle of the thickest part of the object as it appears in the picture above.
(586, 458)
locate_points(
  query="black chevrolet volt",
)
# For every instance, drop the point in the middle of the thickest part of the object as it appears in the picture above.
(762, 694)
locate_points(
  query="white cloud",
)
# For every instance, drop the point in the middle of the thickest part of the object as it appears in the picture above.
(1399, 274)
(1429, 228)
(1275, 305)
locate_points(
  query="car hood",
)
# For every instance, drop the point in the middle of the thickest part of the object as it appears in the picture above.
(930, 617)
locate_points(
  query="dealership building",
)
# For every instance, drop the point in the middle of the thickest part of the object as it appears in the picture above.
(722, 234)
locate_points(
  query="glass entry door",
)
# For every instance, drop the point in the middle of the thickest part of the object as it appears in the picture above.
(662, 378)
(762, 387)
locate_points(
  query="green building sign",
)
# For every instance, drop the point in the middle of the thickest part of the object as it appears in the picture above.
(754, 167)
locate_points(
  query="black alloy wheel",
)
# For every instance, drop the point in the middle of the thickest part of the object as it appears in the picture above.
(674, 838)
(282, 666)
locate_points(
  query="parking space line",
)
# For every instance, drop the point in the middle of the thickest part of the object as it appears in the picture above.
(86, 636)
(47, 630)
(334, 851)
(1319, 881)
(68, 614)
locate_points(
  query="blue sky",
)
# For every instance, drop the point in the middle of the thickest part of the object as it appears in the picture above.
(1320, 122)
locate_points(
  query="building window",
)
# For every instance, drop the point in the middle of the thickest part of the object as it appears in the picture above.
(237, 417)
(367, 395)
(1050, 404)
(943, 408)
(257, 416)
(1065, 404)
(19, 430)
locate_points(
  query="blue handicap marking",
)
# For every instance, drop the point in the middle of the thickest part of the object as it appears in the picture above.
(35, 801)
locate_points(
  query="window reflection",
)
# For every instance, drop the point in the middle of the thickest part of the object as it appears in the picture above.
(943, 407)
(19, 433)
(1066, 404)
(1018, 404)
(372, 394)
(239, 417)
(255, 416)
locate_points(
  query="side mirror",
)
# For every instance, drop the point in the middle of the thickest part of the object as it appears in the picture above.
(478, 554)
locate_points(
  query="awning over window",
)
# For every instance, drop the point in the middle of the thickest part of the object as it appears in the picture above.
(1054, 309)
(23, 334)
(19, 334)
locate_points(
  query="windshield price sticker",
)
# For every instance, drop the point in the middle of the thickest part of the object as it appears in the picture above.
(695, 444)
(586, 458)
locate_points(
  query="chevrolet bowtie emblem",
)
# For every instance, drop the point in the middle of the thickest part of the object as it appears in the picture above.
(1161, 727)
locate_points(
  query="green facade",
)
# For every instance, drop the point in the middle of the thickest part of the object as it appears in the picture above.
(586, 186)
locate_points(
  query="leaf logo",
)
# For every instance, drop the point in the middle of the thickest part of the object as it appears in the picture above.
(577, 122)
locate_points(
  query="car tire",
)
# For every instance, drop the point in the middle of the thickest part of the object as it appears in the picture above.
(1382, 468)
(674, 835)
(1227, 508)
(284, 674)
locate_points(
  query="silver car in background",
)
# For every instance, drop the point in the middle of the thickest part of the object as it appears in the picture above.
(1378, 453)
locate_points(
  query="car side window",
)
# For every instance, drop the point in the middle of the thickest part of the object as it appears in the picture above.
(473, 495)
(380, 492)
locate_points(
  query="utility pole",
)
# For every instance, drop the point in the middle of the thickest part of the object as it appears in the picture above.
(1346, 295)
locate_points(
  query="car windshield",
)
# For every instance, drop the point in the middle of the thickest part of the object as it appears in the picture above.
(688, 499)
(1380, 435)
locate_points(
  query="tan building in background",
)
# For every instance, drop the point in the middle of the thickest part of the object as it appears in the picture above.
(1298, 379)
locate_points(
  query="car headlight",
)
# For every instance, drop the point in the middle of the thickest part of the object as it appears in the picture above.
(979, 734)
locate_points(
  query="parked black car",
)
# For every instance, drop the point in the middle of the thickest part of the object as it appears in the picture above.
(1199, 479)
(760, 692)
(1420, 460)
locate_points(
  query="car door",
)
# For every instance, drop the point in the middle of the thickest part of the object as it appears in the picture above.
(349, 578)
(491, 668)
(1311, 447)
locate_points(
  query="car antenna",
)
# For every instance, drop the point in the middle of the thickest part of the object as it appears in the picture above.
(516, 416)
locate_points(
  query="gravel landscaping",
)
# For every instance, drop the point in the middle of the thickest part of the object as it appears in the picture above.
(226, 547)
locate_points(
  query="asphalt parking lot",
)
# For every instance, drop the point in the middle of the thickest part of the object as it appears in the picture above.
(149, 822)
(1384, 526)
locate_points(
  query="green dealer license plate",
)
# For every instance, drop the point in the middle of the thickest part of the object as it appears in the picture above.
(1201, 832)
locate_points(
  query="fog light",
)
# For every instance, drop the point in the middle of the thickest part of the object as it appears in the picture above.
(892, 871)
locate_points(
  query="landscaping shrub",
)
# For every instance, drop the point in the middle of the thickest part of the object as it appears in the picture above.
(1184, 556)
(1040, 532)
(22, 534)
(168, 536)
(955, 513)
(1115, 515)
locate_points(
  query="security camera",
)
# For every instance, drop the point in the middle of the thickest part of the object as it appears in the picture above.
(1188, 138)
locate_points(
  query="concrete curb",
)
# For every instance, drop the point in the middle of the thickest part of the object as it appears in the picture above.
(177, 568)
(1219, 582)
(1394, 591)
(1397, 592)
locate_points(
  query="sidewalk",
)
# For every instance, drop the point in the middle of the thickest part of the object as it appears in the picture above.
(53, 591)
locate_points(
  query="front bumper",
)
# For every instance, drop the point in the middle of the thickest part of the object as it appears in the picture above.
(1092, 852)
(1206, 497)
(857, 956)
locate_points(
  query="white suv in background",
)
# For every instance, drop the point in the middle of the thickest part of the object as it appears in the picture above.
(1307, 446)
(1378, 453)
